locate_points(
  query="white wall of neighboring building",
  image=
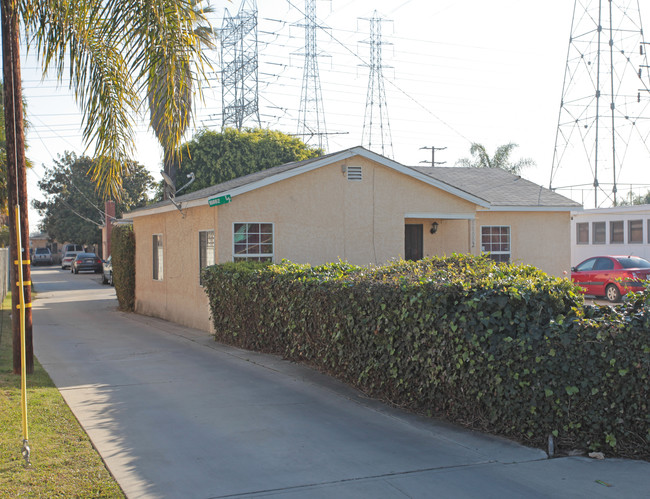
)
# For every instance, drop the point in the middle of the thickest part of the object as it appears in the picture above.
(625, 214)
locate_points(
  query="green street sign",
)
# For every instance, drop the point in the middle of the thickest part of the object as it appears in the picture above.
(219, 200)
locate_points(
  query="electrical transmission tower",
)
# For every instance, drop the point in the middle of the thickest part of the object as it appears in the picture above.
(239, 67)
(604, 120)
(376, 104)
(311, 117)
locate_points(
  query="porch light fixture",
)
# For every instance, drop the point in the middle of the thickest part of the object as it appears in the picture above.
(434, 227)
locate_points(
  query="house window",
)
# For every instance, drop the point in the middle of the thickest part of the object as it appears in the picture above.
(582, 231)
(616, 232)
(206, 251)
(598, 232)
(495, 240)
(635, 231)
(157, 257)
(253, 242)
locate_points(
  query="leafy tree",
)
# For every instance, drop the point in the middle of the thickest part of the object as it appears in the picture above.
(635, 199)
(216, 157)
(74, 208)
(501, 159)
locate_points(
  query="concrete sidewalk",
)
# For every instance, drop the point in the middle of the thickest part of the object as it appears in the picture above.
(176, 415)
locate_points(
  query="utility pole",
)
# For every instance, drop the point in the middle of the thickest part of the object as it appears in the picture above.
(16, 179)
(433, 155)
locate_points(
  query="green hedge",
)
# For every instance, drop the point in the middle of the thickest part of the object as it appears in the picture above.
(123, 259)
(504, 349)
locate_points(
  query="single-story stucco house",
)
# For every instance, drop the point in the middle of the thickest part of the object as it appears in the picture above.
(353, 205)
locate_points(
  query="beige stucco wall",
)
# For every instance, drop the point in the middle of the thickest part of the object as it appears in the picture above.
(178, 296)
(541, 239)
(319, 217)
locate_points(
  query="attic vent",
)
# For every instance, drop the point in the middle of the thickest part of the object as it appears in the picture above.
(355, 173)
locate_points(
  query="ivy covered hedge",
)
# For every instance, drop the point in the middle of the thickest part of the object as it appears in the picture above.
(500, 348)
(123, 260)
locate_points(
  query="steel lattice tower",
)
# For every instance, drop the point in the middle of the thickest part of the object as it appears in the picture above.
(239, 67)
(376, 104)
(311, 117)
(604, 116)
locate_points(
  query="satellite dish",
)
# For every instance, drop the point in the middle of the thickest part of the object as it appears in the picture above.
(168, 180)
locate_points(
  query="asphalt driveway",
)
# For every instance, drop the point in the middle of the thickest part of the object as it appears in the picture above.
(176, 415)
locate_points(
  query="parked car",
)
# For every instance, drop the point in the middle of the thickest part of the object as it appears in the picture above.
(87, 262)
(42, 256)
(108, 272)
(68, 258)
(611, 276)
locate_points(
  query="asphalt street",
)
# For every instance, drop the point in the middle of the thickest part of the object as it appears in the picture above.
(176, 415)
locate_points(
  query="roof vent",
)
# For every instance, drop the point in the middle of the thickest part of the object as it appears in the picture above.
(355, 173)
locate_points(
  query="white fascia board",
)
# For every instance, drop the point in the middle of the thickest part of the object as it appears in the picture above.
(531, 208)
(616, 210)
(444, 216)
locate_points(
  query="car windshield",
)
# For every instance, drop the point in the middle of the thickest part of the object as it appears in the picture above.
(42, 251)
(70, 255)
(634, 262)
(86, 255)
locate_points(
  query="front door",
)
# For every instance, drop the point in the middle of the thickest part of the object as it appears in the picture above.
(413, 242)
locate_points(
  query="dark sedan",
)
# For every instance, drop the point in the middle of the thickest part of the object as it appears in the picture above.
(611, 276)
(87, 262)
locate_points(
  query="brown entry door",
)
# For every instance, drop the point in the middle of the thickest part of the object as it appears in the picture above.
(413, 242)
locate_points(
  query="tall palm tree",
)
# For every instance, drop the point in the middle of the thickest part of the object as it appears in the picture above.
(501, 159)
(109, 50)
(112, 50)
(171, 87)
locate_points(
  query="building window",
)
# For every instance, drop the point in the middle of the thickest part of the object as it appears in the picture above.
(495, 240)
(157, 257)
(635, 231)
(206, 251)
(582, 231)
(253, 242)
(616, 232)
(598, 232)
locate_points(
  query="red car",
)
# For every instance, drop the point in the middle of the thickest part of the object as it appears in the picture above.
(611, 276)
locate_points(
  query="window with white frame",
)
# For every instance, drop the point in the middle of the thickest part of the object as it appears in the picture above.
(598, 232)
(157, 257)
(495, 240)
(253, 242)
(616, 232)
(582, 233)
(635, 231)
(206, 251)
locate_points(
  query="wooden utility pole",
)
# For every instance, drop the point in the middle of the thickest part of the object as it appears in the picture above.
(16, 178)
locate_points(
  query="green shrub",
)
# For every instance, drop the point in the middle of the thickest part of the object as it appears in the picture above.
(123, 259)
(500, 348)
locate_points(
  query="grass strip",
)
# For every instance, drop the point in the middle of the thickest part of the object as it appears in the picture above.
(63, 461)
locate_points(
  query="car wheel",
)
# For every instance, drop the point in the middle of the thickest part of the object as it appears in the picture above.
(612, 293)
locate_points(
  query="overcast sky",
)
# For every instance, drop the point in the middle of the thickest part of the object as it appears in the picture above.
(456, 72)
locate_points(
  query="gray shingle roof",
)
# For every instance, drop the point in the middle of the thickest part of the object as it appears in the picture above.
(498, 187)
